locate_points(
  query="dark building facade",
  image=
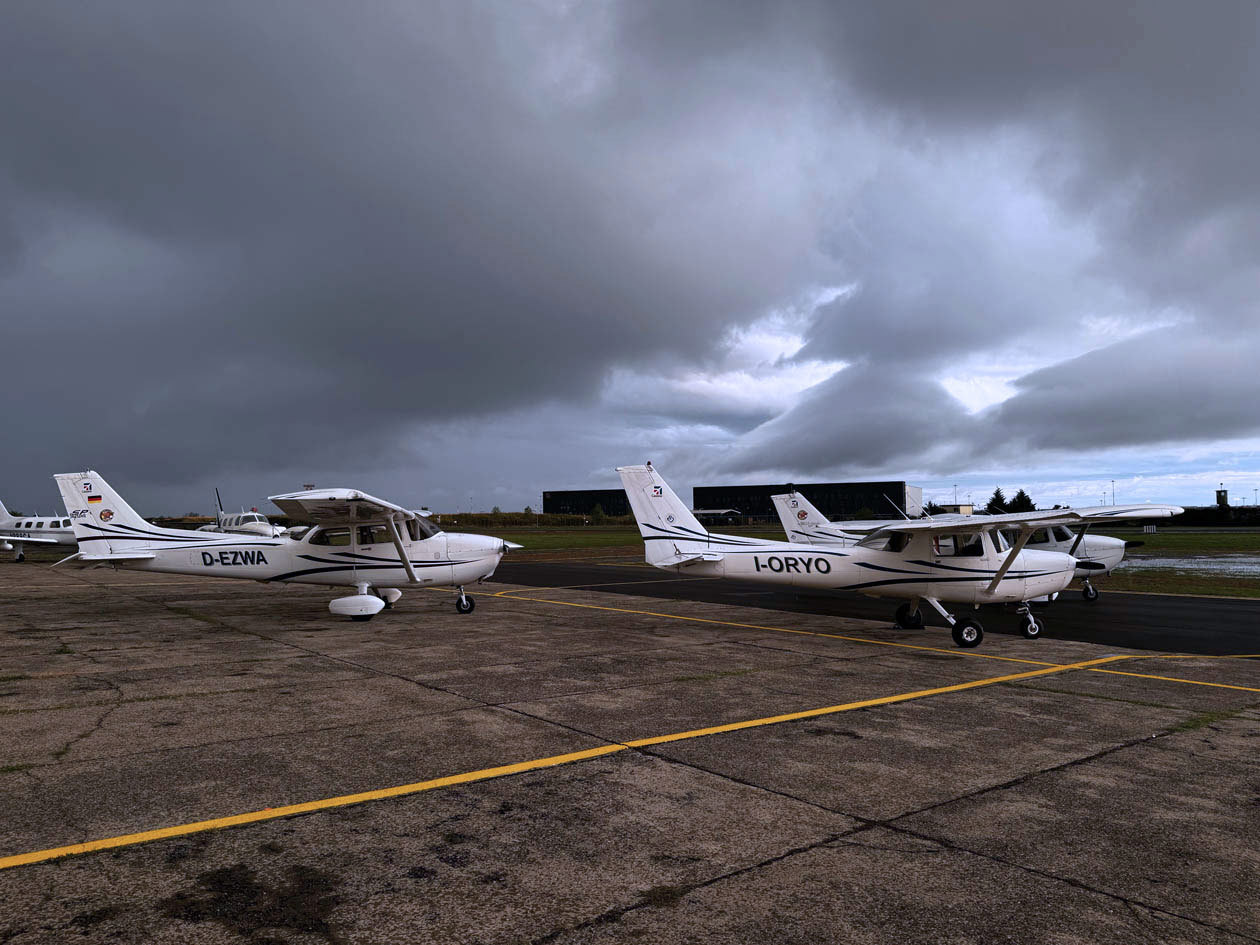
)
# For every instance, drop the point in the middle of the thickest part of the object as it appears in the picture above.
(836, 500)
(583, 502)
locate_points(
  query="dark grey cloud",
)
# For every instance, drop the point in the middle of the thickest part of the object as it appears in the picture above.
(241, 240)
(313, 226)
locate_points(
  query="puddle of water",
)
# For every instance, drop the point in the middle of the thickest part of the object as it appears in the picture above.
(1220, 565)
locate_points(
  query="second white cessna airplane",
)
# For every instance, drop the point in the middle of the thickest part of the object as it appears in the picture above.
(1097, 554)
(919, 561)
(358, 541)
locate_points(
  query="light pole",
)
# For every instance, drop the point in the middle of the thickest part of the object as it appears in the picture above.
(1113, 492)
(955, 493)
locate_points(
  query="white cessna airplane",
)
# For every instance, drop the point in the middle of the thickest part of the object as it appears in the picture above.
(1098, 554)
(18, 531)
(357, 541)
(920, 560)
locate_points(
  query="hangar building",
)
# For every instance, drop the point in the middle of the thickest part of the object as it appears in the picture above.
(836, 500)
(583, 502)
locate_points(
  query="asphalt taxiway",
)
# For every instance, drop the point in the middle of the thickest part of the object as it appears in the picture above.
(218, 761)
(1208, 625)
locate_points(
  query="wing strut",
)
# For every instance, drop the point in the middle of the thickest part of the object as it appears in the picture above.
(392, 525)
(1024, 535)
(1079, 538)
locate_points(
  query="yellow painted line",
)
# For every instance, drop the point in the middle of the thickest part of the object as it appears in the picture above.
(484, 774)
(509, 595)
(272, 813)
(867, 703)
(1177, 679)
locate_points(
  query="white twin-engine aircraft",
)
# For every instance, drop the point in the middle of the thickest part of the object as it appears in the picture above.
(935, 562)
(357, 541)
(18, 531)
(1097, 554)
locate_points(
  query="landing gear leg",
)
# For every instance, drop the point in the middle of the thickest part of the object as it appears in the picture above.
(966, 633)
(1088, 591)
(1031, 628)
(362, 589)
(464, 604)
(20, 556)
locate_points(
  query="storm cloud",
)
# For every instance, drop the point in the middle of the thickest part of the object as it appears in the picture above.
(458, 250)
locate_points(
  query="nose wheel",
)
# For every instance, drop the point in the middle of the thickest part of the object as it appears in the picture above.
(1089, 592)
(464, 604)
(1031, 627)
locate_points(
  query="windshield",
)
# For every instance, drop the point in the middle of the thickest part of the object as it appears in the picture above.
(421, 528)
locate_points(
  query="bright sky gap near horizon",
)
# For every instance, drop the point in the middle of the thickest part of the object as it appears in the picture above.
(457, 254)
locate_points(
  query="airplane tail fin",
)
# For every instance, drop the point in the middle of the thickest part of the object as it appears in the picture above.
(4, 513)
(666, 524)
(103, 522)
(799, 517)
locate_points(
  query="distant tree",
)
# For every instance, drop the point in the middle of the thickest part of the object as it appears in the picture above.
(1022, 502)
(528, 510)
(932, 508)
(997, 502)
(496, 511)
(597, 514)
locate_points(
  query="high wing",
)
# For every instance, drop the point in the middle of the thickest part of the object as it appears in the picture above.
(1147, 510)
(339, 507)
(974, 523)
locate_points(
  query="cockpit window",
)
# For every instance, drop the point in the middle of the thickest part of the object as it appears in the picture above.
(330, 536)
(1063, 534)
(961, 546)
(1040, 537)
(374, 535)
(999, 542)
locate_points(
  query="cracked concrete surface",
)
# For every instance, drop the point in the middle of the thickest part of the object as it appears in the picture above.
(1076, 807)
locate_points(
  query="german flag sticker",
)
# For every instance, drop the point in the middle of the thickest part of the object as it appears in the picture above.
(94, 498)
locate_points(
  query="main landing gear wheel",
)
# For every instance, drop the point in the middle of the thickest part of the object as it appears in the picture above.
(20, 557)
(1032, 628)
(362, 618)
(968, 633)
(1089, 592)
(908, 619)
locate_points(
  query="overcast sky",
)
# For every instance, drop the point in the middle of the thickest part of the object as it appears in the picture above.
(458, 253)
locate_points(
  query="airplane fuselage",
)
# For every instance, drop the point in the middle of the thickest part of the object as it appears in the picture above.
(441, 560)
(915, 571)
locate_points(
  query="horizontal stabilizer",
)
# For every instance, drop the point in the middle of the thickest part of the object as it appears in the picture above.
(682, 560)
(86, 560)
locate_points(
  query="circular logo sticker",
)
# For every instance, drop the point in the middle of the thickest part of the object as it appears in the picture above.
(670, 519)
(802, 515)
(106, 514)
